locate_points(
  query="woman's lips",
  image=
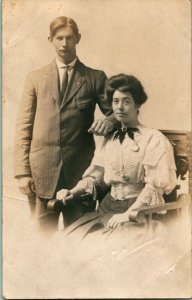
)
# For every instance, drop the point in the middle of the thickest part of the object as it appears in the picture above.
(120, 114)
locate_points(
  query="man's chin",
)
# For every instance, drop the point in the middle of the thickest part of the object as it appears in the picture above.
(66, 56)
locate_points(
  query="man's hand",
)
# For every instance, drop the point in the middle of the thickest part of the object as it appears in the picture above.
(101, 127)
(118, 219)
(26, 185)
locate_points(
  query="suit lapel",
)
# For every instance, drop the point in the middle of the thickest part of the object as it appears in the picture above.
(77, 80)
(53, 81)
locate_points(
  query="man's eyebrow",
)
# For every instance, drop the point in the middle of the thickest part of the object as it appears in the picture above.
(67, 35)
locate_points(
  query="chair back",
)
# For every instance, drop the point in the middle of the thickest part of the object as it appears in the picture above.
(182, 146)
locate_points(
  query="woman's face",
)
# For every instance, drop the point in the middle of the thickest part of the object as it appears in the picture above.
(124, 108)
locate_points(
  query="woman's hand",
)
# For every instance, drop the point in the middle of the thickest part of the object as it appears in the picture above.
(118, 219)
(62, 195)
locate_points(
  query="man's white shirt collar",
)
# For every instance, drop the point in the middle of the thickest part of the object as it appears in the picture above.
(61, 65)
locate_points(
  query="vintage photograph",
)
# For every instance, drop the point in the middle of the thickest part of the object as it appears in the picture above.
(97, 157)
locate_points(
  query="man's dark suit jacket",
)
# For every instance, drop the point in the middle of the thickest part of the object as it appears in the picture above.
(49, 135)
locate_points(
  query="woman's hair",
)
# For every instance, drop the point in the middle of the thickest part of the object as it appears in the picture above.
(63, 22)
(125, 83)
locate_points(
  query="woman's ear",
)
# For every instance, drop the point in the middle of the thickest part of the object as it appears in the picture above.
(138, 107)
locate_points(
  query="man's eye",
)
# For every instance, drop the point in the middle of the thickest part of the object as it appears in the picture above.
(69, 38)
(115, 101)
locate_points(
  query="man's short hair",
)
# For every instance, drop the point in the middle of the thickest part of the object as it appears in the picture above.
(63, 22)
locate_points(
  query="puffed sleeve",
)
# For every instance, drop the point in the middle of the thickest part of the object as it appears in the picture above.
(95, 172)
(99, 155)
(159, 169)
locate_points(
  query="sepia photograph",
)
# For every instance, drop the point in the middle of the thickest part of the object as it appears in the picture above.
(96, 149)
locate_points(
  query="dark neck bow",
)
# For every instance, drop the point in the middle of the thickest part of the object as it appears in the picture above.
(122, 132)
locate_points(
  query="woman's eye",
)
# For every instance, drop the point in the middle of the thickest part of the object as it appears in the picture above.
(115, 101)
(126, 101)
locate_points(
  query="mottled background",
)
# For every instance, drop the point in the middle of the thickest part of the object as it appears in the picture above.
(147, 38)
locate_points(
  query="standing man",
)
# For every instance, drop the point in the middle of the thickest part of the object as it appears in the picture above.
(54, 140)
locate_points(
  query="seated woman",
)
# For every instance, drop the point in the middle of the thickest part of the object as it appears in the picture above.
(137, 162)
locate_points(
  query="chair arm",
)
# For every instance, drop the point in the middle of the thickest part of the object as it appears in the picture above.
(138, 216)
(57, 205)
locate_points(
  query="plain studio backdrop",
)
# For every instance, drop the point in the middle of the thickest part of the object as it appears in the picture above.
(146, 38)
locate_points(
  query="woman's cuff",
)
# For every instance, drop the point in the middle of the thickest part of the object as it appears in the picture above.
(150, 196)
(86, 183)
(158, 190)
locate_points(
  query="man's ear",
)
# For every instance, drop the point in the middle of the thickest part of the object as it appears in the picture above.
(78, 37)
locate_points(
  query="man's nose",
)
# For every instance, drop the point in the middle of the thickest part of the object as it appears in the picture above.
(64, 42)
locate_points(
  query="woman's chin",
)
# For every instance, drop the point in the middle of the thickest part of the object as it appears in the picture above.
(118, 117)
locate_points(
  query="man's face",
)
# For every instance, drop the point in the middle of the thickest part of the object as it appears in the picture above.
(64, 42)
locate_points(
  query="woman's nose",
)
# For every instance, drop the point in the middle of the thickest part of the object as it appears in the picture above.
(120, 105)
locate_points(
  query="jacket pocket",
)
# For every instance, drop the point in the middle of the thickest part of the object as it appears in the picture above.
(85, 104)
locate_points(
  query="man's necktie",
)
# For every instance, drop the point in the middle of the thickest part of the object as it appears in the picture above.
(122, 132)
(64, 82)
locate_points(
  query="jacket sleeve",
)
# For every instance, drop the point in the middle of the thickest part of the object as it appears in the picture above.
(104, 104)
(24, 129)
